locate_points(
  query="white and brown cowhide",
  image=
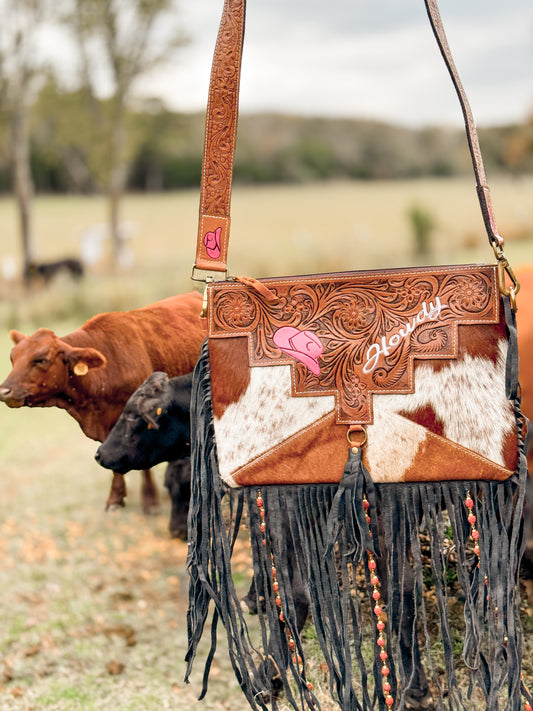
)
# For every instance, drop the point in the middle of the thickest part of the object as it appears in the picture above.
(457, 424)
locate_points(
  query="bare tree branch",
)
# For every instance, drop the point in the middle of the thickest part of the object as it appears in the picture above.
(118, 37)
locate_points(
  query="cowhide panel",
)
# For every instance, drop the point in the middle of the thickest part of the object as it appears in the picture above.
(457, 424)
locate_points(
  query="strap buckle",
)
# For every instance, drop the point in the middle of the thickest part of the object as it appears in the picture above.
(204, 275)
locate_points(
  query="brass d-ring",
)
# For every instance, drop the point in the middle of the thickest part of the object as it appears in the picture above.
(359, 431)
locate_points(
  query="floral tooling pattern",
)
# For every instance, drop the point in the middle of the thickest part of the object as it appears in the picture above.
(371, 326)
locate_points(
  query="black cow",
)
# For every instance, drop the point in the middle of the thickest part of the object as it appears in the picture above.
(155, 427)
(46, 271)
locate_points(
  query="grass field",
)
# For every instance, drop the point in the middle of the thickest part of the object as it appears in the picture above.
(92, 611)
(288, 229)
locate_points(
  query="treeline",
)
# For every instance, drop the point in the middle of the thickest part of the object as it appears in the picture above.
(165, 149)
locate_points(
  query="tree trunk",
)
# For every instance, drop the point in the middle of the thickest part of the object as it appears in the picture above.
(24, 189)
(117, 183)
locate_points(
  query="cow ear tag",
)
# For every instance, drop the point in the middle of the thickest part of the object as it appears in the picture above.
(81, 368)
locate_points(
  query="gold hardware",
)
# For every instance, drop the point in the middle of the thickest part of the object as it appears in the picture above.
(204, 275)
(355, 446)
(505, 268)
(203, 312)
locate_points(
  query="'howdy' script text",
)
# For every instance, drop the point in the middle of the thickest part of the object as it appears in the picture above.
(428, 312)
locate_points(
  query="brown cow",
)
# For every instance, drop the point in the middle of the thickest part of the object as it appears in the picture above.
(524, 319)
(92, 371)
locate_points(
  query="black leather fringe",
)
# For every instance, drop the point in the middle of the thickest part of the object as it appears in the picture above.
(318, 539)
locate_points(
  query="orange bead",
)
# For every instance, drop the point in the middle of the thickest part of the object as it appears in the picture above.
(310, 686)
(385, 671)
(469, 503)
(383, 656)
(377, 610)
(372, 565)
(389, 701)
(386, 687)
(259, 501)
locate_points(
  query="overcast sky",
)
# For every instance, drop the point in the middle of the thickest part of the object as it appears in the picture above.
(375, 59)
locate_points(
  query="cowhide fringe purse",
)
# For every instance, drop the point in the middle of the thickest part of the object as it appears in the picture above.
(350, 413)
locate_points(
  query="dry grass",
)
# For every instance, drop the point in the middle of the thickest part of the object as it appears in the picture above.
(92, 612)
(291, 228)
(294, 229)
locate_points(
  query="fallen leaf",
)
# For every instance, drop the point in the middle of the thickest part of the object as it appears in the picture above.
(31, 651)
(115, 667)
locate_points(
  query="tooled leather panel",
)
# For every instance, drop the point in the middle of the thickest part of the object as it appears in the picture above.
(358, 334)
(221, 120)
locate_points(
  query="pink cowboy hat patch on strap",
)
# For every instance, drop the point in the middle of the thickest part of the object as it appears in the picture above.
(212, 243)
(304, 346)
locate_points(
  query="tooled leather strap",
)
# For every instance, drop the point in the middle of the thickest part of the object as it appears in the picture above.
(219, 141)
(221, 126)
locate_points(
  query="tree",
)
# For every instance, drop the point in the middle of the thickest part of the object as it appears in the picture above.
(119, 41)
(422, 225)
(20, 70)
(518, 147)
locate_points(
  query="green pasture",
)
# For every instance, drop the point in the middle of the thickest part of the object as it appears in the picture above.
(279, 229)
(92, 610)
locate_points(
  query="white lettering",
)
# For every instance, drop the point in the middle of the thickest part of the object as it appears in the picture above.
(372, 357)
(428, 312)
(409, 328)
(394, 340)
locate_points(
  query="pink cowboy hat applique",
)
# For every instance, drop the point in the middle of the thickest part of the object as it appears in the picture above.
(212, 243)
(304, 346)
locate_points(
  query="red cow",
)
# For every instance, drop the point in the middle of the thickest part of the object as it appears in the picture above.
(92, 371)
(524, 318)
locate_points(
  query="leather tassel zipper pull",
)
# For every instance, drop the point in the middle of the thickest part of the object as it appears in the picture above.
(346, 514)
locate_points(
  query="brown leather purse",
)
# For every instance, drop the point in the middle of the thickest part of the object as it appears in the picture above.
(411, 375)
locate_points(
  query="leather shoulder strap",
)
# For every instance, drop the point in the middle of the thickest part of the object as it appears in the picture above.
(221, 126)
(471, 133)
(219, 140)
